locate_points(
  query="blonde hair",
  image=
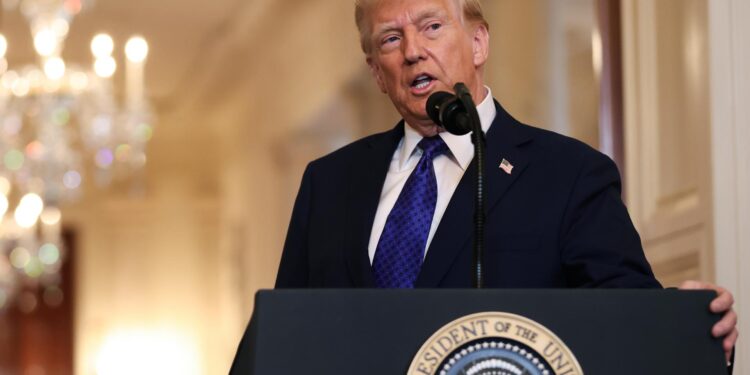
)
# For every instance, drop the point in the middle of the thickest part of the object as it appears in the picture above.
(472, 12)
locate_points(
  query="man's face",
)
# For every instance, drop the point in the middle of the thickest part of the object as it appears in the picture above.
(418, 47)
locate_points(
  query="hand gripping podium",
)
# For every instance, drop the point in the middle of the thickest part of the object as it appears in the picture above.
(480, 332)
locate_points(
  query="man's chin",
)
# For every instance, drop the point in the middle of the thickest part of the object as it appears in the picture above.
(419, 118)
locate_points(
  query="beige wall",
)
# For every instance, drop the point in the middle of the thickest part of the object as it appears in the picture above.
(668, 135)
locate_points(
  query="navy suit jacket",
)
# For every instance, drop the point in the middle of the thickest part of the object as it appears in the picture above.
(556, 221)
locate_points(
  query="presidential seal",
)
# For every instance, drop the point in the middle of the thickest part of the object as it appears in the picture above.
(494, 343)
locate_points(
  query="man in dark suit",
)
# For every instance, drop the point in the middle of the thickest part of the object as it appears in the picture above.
(395, 209)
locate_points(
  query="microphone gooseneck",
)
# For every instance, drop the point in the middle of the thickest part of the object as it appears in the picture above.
(458, 115)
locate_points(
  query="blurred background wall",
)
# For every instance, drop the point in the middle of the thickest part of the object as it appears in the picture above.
(246, 93)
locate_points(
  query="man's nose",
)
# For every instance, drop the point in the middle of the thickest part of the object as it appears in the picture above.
(413, 47)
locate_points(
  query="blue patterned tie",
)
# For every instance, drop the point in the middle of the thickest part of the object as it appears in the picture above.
(400, 251)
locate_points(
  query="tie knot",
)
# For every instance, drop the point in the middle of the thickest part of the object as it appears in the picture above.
(432, 146)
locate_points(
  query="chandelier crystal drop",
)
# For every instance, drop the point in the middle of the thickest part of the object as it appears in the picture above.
(60, 125)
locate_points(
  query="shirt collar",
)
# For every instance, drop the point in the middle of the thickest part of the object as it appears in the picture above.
(461, 148)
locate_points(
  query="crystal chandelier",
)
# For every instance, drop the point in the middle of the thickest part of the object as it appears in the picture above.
(60, 124)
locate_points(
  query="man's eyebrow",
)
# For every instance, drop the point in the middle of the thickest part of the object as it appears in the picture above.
(386, 28)
(431, 13)
(393, 26)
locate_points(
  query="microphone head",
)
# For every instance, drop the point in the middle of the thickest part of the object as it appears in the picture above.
(434, 104)
(446, 110)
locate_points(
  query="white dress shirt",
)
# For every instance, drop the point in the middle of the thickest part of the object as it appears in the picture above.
(449, 168)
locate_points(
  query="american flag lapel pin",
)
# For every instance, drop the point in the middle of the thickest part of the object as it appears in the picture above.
(506, 166)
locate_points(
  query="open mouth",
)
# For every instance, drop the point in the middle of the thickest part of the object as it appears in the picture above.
(422, 81)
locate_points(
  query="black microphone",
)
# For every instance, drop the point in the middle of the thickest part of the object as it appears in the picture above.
(447, 110)
(458, 115)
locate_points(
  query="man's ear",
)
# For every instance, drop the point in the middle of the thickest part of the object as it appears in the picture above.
(481, 45)
(376, 74)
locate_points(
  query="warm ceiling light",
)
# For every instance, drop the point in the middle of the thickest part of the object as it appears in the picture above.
(28, 210)
(3, 205)
(49, 216)
(3, 46)
(102, 46)
(45, 42)
(4, 186)
(54, 68)
(136, 49)
(105, 66)
(60, 27)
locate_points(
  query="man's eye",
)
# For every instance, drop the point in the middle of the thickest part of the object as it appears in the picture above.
(435, 26)
(390, 39)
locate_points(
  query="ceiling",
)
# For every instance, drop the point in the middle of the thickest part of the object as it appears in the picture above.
(178, 33)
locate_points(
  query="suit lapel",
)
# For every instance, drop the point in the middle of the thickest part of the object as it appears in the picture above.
(368, 174)
(456, 227)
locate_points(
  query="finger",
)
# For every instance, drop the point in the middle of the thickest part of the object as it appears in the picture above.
(722, 302)
(726, 325)
(692, 284)
(729, 343)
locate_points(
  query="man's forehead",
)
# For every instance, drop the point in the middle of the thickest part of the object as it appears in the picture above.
(388, 13)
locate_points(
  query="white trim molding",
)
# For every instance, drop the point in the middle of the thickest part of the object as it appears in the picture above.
(730, 128)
